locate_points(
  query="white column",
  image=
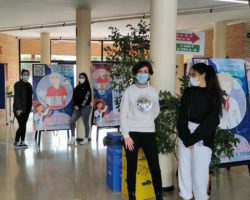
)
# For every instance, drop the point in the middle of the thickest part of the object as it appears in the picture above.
(163, 54)
(45, 48)
(220, 39)
(83, 53)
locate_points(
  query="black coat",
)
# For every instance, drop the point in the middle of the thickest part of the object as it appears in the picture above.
(22, 96)
(82, 95)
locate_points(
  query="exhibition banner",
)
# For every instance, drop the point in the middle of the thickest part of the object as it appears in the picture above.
(105, 112)
(2, 86)
(52, 98)
(247, 62)
(236, 113)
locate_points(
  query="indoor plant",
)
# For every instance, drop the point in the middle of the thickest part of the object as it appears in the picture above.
(124, 53)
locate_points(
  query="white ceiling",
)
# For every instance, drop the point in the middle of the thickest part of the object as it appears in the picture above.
(192, 15)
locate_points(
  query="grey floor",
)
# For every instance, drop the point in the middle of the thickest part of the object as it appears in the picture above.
(56, 171)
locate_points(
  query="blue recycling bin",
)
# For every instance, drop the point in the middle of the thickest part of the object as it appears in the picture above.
(114, 161)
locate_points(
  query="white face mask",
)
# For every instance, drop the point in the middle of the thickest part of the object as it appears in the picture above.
(194, 81)
(81, 80)
(25, 77)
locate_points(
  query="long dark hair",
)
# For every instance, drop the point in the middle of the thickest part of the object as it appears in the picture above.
(212, 83)
(86, 83)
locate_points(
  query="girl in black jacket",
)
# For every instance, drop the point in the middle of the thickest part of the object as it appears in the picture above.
(82, 107)
(22, 107)
(199, 116)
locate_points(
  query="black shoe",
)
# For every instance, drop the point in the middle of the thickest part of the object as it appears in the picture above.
(131, 196)
(17, 145)
(159, 196)
(23, 145)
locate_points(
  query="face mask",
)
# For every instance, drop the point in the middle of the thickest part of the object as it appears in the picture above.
(142, 78)
(25, 77)
(81, 80)
(194, 81)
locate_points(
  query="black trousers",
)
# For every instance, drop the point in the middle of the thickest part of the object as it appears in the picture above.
(21, 131)
(148, 143)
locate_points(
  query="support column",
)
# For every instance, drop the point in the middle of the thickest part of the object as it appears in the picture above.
(83, 53)
(163, 55)
(179, 71)
(220, 39)
(45, 48)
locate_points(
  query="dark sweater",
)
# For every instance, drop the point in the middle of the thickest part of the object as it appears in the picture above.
(22, 96)
(82, 95)
(196, 106)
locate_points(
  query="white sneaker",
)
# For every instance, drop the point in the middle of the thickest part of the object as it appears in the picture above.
(72, 141)
(85, 141)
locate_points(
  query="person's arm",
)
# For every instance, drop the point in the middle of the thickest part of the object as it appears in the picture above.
(206, 128)
(124, 109)
(17, 96)
(86, 98)
(157, 105)
(105, 109)
(75, 102)
(182, 122)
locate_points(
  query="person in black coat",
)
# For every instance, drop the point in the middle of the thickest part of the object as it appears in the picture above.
(82, 97)
(199, 117)
(22, 107)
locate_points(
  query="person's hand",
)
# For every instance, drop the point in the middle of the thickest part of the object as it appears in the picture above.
(129, 143)
(76, 107)
(18, 112)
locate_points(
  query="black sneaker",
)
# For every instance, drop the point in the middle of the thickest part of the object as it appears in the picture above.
(23, 145)
(17, 145)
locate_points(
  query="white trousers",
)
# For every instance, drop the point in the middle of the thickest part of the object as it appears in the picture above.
(193, 170)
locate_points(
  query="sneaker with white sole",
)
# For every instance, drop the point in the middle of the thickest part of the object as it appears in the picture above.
(23, 145)
(72, 141)
(85, 141)
(17, 145)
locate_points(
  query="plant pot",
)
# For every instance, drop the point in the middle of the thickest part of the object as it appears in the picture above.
(167, 171)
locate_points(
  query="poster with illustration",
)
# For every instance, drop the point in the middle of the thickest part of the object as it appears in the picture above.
(247, 62)
(105, 112)
(52, 98)
(236, 114)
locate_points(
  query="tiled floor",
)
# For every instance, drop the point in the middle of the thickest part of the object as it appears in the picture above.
(56, 171)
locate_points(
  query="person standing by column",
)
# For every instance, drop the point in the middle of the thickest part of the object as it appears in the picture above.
(199, 117)
(22, 107)
(82, 107)
(139, 108)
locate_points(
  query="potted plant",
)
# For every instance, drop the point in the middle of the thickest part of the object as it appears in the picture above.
(124, 53)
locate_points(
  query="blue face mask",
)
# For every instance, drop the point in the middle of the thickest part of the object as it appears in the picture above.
(142, 78)
(25, 77)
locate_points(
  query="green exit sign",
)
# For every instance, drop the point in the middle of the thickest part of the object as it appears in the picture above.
(248, 35)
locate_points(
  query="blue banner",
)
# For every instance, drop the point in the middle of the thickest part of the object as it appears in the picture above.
(52, 98)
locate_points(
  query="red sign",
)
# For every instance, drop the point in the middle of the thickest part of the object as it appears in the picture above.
(187, 37)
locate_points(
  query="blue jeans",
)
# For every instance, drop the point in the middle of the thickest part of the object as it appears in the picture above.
(84, 113)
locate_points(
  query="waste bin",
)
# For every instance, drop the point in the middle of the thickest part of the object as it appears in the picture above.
(113, 140)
